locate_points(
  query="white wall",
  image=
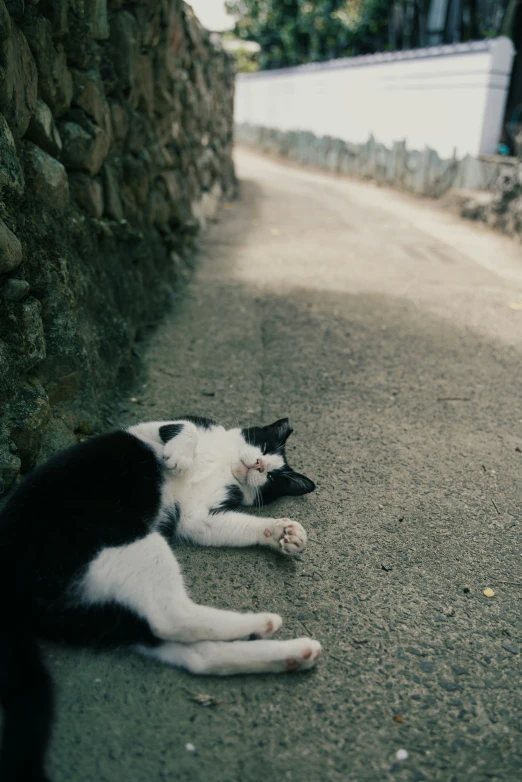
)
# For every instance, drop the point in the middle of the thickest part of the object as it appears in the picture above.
(443, 97)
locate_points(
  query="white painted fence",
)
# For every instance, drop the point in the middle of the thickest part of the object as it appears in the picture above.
(449, 98)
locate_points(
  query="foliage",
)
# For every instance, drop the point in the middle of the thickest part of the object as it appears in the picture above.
(291, 32)
(246, 62)
(246, 57)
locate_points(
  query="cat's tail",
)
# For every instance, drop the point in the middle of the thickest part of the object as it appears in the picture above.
(26, 695)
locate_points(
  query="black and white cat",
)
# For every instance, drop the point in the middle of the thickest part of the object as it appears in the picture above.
(86, 558)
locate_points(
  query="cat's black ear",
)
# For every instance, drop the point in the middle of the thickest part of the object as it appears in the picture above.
(296, 484)
(281, 430)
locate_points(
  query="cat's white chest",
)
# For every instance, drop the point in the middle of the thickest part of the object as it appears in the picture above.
(203, 487)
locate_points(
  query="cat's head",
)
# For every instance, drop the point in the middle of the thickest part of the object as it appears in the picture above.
(262, 469)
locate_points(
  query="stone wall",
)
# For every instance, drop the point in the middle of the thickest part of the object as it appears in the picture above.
(115, 148)
(502, 207)
(423, 173)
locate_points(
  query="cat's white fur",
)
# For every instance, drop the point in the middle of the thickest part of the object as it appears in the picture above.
(145, 575)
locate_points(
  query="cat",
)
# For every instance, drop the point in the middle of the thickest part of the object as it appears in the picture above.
(86, 558)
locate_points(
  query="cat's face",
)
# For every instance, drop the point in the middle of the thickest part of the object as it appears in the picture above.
(262, 469)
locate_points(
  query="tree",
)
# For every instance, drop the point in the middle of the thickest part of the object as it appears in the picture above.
(291, 32)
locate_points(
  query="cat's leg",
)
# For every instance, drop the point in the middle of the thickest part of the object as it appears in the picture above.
(240, 529)
(145, 577)
(238, 657)
(173, 441)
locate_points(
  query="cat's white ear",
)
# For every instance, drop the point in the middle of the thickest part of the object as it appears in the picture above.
(281, 429)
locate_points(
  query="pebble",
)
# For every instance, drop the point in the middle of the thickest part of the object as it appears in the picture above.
(401, 754)
(190, 747)
(458, 671)
(509, 647)
(488, 592)
(449, 686)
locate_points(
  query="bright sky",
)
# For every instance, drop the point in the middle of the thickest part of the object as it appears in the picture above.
(212, 14)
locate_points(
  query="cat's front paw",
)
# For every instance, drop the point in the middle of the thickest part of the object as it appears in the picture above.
(177, 460)
(289, 536)
(179, 452)
(178, 465)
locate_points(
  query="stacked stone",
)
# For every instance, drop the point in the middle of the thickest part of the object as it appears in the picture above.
(115, 148)
(502, 208)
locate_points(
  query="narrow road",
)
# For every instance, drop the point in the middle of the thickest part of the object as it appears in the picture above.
(390, 332)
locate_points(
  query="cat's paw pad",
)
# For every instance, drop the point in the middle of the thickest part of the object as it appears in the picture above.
(269, 624)
(290, 536)
(305, 655)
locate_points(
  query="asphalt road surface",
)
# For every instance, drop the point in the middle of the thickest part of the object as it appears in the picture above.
(390, 332)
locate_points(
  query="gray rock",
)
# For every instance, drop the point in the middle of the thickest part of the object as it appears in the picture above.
(459, 671)
(56, 436)
(113, 207)
(43, 131)
(10, 465)
(57, 10)
(159, 209)
(136, 174)
(30, 414)
(89, 94)
(54, 79)
(59, 376)
(88, 194)
(96, 12)
(120, 121)
(5, 22)
(25, 333)
(46, 177)
(84, 149)
(143, 86)
(11, 171)
(15, 290)
(16, 8)
(19, 86)
(10, 250)
(449, 686)
(125, 47)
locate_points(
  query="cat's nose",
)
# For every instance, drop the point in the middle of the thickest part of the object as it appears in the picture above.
(258, 466)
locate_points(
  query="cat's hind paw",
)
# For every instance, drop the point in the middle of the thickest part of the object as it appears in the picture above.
(269, 624)
(304, 654)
